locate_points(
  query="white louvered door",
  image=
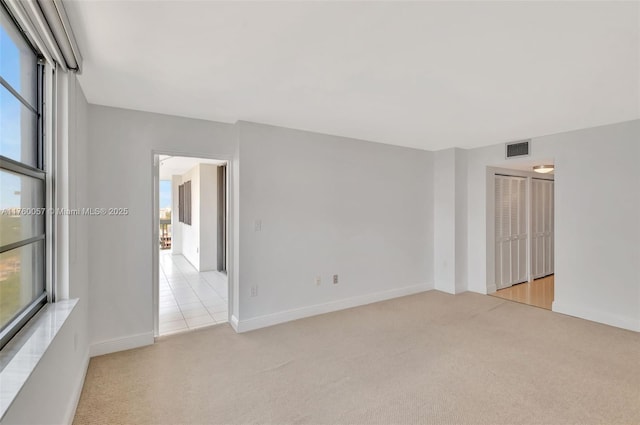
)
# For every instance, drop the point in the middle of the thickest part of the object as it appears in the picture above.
(542, 228)
(510, 230)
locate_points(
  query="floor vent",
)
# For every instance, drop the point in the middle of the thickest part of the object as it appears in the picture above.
(516, 149)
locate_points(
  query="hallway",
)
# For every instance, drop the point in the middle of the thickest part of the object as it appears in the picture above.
(189, 299)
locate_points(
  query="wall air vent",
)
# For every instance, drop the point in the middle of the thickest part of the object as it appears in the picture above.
(517, 149)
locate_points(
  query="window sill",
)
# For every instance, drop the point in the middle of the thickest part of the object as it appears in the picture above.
(19, 358)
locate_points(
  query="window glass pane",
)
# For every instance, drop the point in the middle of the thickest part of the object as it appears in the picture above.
(21, 203)
(21, 279)
(17, 60)
(18, 130)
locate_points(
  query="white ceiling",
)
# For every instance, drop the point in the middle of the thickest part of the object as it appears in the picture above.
(424, 74)
(525, 164)
(177, 165)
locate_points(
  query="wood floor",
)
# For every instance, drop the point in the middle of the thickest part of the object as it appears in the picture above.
(538, 293)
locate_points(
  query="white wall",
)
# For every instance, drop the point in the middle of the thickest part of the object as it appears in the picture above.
(461, 234)
(198, 241)
(120, 250)
(208, 200)
(191, 232)
(51, 393)
(596, 229)
(362, 210)
(450, 230)
(176, 226)
(56, 382)
(444, 213)
(358, 209)
(78, 198)
(329, 205)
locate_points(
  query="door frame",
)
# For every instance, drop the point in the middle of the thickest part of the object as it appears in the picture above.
(232, 282)
(490, 219)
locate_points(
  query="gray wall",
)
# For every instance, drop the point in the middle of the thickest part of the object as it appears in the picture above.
(329, 205)
(120, 251)
(596, 229)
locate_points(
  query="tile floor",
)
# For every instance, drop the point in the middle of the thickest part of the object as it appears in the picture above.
(189, 299)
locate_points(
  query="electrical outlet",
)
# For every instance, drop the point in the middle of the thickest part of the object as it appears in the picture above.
(335, 279)
(254, 291)
(257, 225)
(318, 280)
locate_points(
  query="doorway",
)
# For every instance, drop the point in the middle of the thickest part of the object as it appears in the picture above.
(190, 241)
(524, 237)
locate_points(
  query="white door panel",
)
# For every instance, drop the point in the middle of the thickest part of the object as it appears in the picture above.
(542, 228)
(511, 230)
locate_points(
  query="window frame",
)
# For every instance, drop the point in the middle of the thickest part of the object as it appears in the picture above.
(40, 172)
(184, 203)
(181, 203)
(187, 202)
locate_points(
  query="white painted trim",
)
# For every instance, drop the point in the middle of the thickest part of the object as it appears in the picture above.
(234, 323)
(491, 173)
(232, 228)
(455, 292)
(313, 310)
(25, 351)
(630, 323)
(75, 396)
(121, 344)
(155, 237)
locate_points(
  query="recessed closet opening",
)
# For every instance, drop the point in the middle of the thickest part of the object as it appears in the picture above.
(522, 217)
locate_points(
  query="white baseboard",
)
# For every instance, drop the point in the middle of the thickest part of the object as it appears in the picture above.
(234, 322)
(77, 392)
(491, 288)
(121, 344)
(632, 324)
(313, 310)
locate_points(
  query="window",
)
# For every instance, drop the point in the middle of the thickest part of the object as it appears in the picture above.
(181, 203)
(187, 203)
(184, 203)
(22, 181)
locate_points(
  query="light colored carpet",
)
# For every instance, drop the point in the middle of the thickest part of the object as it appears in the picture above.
(430, 358)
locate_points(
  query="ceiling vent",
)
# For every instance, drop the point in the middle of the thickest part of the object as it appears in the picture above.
(517, 149)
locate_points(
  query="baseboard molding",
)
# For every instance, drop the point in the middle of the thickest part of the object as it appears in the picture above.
(77, 392)
(313, 310)
(234, 323)
(491, 288)
(121, 344)
(447, 290)
(582, 312)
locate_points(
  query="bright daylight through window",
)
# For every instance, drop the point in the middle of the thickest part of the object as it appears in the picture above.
(22, 181)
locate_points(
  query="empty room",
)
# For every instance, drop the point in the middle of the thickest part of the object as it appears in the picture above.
(327, 212)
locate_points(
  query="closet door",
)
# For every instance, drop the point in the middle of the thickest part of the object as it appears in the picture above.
(511, 230)
(542, 225)
(548, 228)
